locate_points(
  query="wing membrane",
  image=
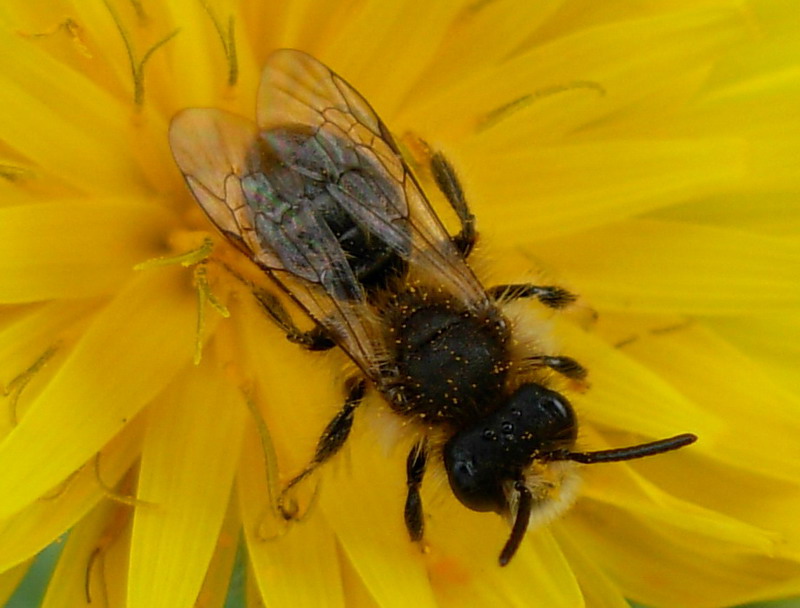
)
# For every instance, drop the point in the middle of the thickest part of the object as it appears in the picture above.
(317, 142)
(296, 88)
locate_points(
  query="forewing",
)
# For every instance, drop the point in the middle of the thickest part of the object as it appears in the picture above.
(297, 89)
(210, 148)
(213, 150)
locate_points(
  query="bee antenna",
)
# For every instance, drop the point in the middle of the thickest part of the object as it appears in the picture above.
(524, 506)
(630, 453)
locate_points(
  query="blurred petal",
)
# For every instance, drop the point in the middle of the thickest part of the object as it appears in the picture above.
(11, 578)
(625, 550)
(764, 339)
(285, 562)
(599, 591)
(608, 181)
(463, 567)
(677, 268)
(70, 249)
(694, 36)
(41, 523)
(96, 383)
(189, 458)
(56, 137)
(79, 576)
(709, 371)
(365, 507)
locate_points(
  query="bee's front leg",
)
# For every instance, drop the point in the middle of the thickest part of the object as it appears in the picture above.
(415, 470)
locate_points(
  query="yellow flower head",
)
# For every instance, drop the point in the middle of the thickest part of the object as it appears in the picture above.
(642, 156)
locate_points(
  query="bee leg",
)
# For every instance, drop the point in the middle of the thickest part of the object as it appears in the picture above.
(330, 442)
(551, 296)
(313, 339)
(448, 183)
(415, 470)
(566, 366)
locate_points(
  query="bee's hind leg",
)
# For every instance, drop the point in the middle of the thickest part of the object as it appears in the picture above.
(330, 442)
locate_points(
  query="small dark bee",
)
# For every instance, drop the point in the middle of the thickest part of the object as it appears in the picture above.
(318, 196)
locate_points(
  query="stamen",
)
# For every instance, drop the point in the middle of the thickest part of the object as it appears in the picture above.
(112, 494)
(228, 40)
(204, 295)
(137, 66)
(118, 519)
(14, 389)
(72, 29)
(189, 258)
(14, 173)
(139, 10)
(493, 117)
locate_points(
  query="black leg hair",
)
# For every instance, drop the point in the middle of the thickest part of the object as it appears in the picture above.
(415, 470)
(551, 296)
(566, 366)
(330, 442)
(313, 339)
(448, 183)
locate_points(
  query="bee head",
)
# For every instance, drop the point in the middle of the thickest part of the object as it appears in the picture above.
(486, 460)
(497, 463)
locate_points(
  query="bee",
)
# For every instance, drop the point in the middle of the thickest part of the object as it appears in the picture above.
(317, 194)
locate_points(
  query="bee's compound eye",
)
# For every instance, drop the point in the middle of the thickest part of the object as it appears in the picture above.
(557, 407)
(472, 472)
(547, 420)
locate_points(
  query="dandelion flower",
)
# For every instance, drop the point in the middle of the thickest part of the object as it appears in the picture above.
(642, 155)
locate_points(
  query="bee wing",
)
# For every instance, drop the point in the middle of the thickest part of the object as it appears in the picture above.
(213, 151)
(297, 89)
(249, 181)
(210, 148)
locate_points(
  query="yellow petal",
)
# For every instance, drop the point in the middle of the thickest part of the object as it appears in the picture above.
(709, 371)
(501, 28)
(32, 342)
(296, 566)
(777, 215)
(599, 591)
(33, 529)
(297, 391)
(764, 339)
(624, 394)
(189, 458)
(357, 594)
(397, 35)
(646, 559)
(694, 36)
(80, 574)
(758, 501)
(120, 363)
(538, 193)
(56, 137)
(365, 507)
(221, 573)
(76, 248)
(619, 485)
(650, 266)
(463, 560)
(10, 580)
